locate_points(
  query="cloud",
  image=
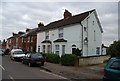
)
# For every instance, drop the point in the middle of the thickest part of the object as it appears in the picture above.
(21, 15)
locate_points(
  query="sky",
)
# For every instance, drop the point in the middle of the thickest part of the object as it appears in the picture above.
(17, 16)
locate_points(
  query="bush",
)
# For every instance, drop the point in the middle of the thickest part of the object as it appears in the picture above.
(43, 54)
(53, 58)
(68, 59)
(114, 49)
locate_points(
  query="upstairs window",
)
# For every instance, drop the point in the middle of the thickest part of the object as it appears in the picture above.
(22, 39)
(29, 39)
(47, 35)
(60, 33)
(16, 40)
(10, 40)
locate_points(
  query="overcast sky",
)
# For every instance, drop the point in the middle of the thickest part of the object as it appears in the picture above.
(17, 16)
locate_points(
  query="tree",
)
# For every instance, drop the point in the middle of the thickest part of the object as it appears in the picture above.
(114, 49)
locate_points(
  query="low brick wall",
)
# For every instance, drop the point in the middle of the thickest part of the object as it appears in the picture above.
(83, 61)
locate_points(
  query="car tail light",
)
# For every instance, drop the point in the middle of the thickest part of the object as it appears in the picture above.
(32, 59)
(104, 72)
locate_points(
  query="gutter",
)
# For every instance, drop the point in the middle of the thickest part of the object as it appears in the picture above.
(82, 37)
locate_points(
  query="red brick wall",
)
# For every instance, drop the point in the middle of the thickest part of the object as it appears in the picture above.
(31, 43)
(22, 44)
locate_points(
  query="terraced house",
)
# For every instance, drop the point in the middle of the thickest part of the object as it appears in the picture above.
(23, 40)
(82, 31)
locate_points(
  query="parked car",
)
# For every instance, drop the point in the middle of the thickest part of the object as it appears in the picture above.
(6, 52)
(16, 54)
(33, 59)
(112, 70)
(1, 52)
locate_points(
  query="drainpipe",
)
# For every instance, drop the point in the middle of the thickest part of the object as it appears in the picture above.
(82, 37)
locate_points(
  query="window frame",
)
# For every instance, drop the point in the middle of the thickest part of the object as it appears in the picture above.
(57, 49)
(47, 35)
(60, 33)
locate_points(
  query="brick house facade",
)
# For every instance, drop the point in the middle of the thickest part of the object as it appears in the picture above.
(25, 41)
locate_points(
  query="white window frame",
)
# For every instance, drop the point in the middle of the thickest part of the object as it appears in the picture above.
(10, 40)
(47, 35)
(29, 39)
(22, 39)
(60, 33)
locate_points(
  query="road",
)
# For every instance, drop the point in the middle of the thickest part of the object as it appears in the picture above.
(16, 70)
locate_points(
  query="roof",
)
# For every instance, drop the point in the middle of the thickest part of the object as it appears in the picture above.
(63, 22)
(31, 32)
(14, 36)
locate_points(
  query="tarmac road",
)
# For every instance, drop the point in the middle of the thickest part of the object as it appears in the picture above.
(13, 71)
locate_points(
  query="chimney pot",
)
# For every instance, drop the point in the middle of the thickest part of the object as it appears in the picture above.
(28, 29)
(40, 24)
(14, 34)
(67, 14)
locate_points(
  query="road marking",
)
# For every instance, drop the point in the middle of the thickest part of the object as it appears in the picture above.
(11, 77)
(2, 67)
(53, 74)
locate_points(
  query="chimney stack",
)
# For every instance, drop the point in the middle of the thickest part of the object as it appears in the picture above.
(20, 32)
(40, 24)
(28, 29)
(67, 14)
(14, 34)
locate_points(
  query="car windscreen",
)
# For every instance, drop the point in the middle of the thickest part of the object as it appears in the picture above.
(18, 52)
(36, 56)
(115, 65)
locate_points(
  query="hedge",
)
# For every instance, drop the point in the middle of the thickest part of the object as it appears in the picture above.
(53, 58)
(68, 59)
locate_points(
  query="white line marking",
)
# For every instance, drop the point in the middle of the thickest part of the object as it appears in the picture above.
(11, 78)
(2, 67)
(53, 74)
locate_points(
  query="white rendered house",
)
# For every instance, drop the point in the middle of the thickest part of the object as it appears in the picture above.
(82, 31)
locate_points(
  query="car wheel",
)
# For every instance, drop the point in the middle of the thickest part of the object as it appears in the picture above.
(13, 59)
(23, 62)
(42, 64)
(10, 58)
(29, 64)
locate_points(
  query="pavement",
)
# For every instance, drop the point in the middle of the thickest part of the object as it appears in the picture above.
(85, 72)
